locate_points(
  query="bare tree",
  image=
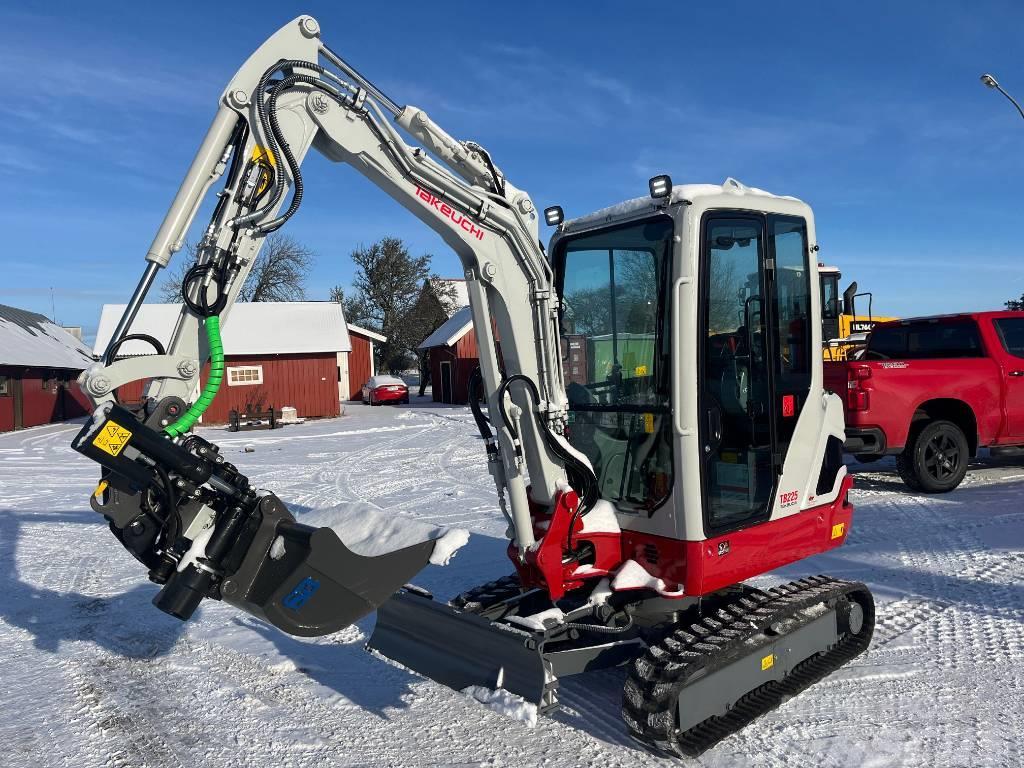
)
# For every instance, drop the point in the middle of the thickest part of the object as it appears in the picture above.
(386, 290)
(170, 287)
(279, 273)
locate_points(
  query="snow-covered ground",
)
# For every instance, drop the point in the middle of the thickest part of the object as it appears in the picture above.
(92, 675)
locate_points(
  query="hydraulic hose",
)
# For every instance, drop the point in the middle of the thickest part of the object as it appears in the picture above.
(191, 416)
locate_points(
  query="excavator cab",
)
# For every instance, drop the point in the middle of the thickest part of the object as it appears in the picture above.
(689, 328)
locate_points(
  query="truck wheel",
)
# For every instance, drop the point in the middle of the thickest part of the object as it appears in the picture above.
(936, 459)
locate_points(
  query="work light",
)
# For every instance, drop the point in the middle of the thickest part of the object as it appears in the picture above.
(660, 186)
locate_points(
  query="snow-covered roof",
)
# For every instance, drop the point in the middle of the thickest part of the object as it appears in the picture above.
(253, 328)
(29, 339)
(451, 331)
(680, 192)
(353, 328)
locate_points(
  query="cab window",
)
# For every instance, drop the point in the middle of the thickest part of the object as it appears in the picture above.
(615, 335)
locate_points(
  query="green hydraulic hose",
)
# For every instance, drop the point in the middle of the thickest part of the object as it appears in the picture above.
(191, 416)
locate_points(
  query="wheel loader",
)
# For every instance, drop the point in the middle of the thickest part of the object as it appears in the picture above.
(844, 331)
(688, 448)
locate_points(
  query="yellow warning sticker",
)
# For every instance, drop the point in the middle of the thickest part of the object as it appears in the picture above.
(112, 438)
(838, 530)
(768, 662)
(649, 423)
(640, 370)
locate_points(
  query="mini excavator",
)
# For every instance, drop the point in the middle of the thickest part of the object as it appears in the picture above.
(654, 421)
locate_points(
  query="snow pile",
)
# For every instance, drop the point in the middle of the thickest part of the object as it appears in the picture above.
(632, 575)
(198, 548)
(679, 192)
(451, 541)
(99, 415)
(504, 703)
(277, 548)
(601, 518)
(370, 531)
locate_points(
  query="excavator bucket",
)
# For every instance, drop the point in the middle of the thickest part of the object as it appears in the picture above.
(306, 582)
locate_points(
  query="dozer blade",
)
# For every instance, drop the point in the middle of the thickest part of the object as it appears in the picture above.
(460, 649)
(306, 582)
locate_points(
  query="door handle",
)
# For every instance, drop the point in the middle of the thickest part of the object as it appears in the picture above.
(1016, 373)
(714, 434)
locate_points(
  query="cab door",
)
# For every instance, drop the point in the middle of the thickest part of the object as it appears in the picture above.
(755, 359)
(737, 440)
(1010, 331)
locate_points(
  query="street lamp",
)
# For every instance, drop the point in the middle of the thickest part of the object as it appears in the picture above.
(991, 82)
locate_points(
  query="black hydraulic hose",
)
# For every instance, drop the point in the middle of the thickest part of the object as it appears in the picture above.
(154, 342)
(482, 424)
(582, 476)
(238, 138)
(499, 183)
(173, 518)
(286, 151)
(268, 121)
(202, 306)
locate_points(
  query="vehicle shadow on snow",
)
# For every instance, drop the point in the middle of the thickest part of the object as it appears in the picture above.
(367, 680)
(591, 703)
(126, 624)
(929, 552)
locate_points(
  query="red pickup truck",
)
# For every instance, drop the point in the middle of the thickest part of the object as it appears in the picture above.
(932, 391)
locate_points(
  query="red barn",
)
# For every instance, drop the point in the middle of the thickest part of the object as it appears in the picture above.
(360, 360)
(453, 357)
(39, 362)
(276, 354)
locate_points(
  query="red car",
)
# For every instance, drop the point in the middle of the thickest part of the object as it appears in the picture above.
(385, 389)
(932, 391)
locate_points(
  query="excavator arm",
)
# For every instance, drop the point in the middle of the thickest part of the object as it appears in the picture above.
(170, 497)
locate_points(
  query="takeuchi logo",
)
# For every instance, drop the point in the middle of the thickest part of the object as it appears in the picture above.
(450, 213)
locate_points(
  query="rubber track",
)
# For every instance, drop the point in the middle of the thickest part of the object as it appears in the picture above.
(658, 678)
(482, 597)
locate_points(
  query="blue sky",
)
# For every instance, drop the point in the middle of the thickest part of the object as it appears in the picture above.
(872, 112)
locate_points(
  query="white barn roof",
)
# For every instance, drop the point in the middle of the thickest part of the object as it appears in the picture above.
(254, 328)
(29, 339)
(451, 331)
(372, 335)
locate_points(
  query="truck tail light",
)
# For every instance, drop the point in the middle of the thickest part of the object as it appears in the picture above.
(857, 399)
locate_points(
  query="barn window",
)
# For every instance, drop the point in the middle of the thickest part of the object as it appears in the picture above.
(242, 375)
(5, 385)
